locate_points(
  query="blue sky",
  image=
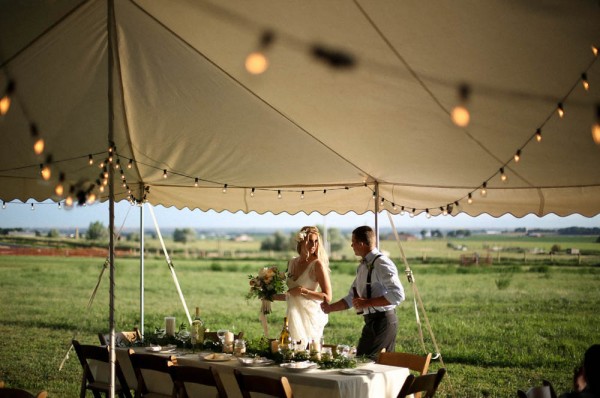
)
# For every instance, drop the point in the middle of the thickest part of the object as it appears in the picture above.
(48, 215)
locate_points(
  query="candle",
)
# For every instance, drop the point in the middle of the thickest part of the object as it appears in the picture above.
(170, 325)
(274, 346)
(228, 337)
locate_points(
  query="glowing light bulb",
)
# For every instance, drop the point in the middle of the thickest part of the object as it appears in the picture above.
(278, 194)
(3, 205)
(256, 63)
(38, 146)
(165, 173)
(252, 193)
(225, 188)
(46, 172)
(560, 110)
(59, 205)
(470, 199)
(427, 214)
(538, 135)
(503, 176)
(402, 211)
(196, 182)
(518, 156)
(585, 82)
(69, 201)
(130, 164)
(483, 192)
(59, 189)
(91, 198)
(90, 160)
(302, 195)
(101, 188)
(596, 133)
(460, 116)
(32, 207)
(595, 51)
(4, 105)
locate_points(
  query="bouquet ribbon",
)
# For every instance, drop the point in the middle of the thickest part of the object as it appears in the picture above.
(265, 308)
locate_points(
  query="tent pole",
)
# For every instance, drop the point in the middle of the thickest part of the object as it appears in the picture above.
(142, 270)
(377, 214)
(111, 198)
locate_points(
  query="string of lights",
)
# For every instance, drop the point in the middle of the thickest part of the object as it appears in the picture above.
(256, 63)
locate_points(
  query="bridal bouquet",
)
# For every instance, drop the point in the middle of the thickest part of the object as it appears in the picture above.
(264, 286)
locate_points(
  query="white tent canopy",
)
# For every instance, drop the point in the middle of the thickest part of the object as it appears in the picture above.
(323, 138)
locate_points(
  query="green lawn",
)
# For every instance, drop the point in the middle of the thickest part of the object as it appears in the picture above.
(499, 328)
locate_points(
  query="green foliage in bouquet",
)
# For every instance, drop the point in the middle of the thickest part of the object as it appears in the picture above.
(266, 284)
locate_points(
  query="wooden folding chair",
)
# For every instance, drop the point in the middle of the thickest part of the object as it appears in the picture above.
(417, 363)
(148, 367)
(194, 375)
(89, 381)
(427, 384)
(279, 388)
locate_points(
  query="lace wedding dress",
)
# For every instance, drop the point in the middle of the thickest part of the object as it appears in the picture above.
(305, 318)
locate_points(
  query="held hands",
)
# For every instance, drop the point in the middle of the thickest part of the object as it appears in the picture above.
(325, 307)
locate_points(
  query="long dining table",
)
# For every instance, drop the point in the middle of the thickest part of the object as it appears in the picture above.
(381, 380)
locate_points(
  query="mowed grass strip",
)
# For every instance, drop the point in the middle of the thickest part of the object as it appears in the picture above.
(498, 328)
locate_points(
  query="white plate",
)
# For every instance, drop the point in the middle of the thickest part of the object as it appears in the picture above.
(356, 372)
(299, 366)
(255, 361)
(217, 357)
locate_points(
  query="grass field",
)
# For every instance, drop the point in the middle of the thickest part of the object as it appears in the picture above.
(498, 328)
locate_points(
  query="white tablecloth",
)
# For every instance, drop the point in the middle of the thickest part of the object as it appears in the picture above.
(385, 381)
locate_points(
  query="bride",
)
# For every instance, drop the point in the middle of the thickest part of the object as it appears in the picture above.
(308, 286)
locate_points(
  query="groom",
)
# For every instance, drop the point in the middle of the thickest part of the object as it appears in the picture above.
(379, 292)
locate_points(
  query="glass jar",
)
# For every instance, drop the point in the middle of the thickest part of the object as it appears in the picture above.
(239, 348)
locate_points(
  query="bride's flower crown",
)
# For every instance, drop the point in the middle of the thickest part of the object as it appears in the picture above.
(300, 236)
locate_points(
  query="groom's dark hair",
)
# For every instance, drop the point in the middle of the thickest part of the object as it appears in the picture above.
(365, 234)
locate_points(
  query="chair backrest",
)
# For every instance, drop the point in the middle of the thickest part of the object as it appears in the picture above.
(417, 363)
(543, 391)
(213, 336)
(192, 374)
(427, 384)
(19, 393)
(122, 339)
(152, 363)
(265, 385)
(87, 353)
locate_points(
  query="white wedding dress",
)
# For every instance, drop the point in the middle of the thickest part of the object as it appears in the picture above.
(306, 319)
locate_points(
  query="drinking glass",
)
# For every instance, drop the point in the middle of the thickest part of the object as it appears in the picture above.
(221, 335)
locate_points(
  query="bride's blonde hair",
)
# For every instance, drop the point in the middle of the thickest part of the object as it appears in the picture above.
(321, 252)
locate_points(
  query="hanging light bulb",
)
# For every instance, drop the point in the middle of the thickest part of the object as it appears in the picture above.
(257, 62)
(460, 114)
(6, 99)
(252, 193)
(38, 142)
(483, 191)
(585, 82)
(45, 171)
(165, 173)
(412, 213)
(130, 164)
(90, 159)
(503, 176)
(196, 182)
(59, 206)
(324, 192)
(3, 205)
(517, 156)
(402, 210)
(278, 194)
(118, 165)
(444, 211)
(91, 198)
(105, 172)
(394, 206)
(595, 50)
(225, 188)
(470, 199)
(427, 214)
(560, 110)
(101, 188)
(60, 189)
(596, 126)
(538, 135)
(32, 207)
(302, 195)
